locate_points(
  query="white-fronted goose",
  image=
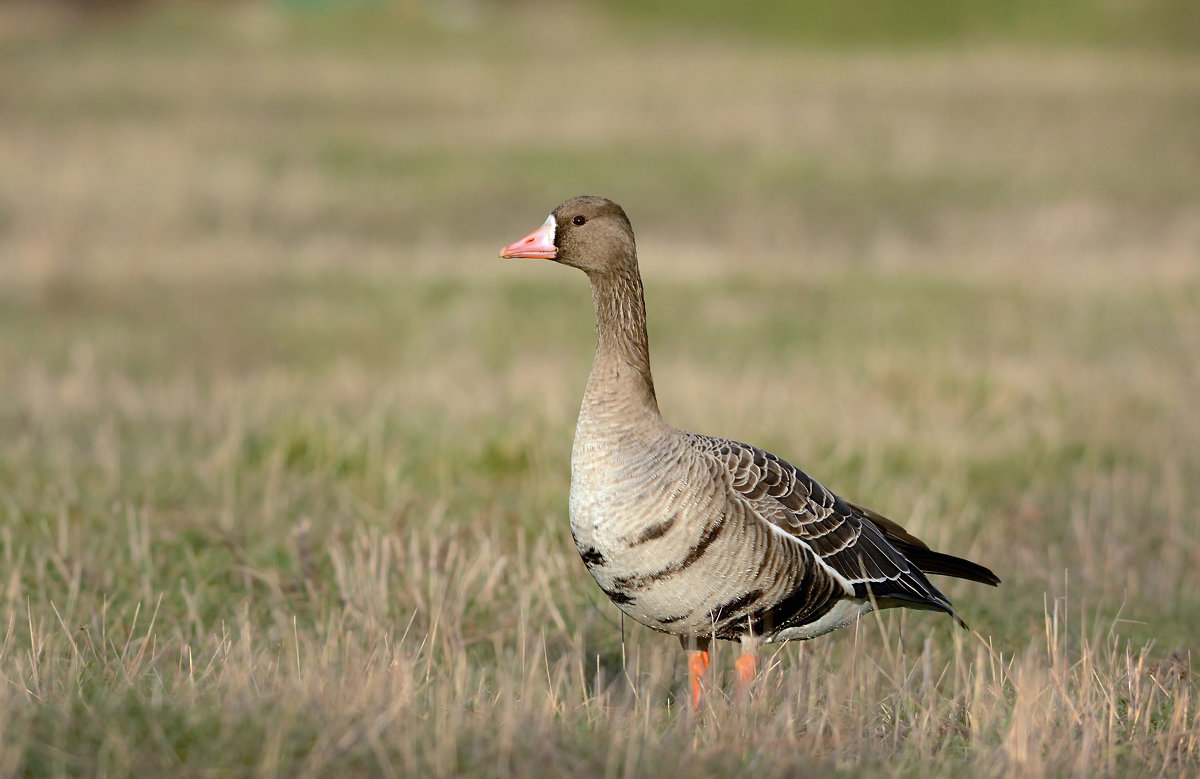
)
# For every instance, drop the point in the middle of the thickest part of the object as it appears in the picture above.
(702, 537)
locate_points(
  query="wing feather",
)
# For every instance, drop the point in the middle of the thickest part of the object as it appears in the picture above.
(849, 542)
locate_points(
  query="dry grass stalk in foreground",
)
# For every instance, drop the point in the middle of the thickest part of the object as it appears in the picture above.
(125, 693)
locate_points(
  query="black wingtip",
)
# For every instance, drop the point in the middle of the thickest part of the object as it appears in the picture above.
(925, 558)
(949, 565)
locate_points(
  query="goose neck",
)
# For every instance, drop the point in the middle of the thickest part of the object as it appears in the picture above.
(621, 370)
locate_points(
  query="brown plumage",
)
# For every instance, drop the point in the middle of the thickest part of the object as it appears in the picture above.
(703, 537)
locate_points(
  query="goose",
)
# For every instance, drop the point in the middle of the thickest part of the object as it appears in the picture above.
(702, 537)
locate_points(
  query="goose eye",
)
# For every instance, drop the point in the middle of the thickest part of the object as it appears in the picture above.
(577, 221)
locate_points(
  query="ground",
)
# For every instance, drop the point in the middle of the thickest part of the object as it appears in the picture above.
(286, 447)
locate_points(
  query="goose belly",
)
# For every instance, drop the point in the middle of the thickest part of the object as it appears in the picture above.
(632, 576)
(669, 556)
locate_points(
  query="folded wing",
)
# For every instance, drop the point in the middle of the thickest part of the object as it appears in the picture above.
(867, 554)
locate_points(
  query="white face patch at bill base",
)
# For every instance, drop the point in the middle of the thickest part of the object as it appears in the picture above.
(551, 223)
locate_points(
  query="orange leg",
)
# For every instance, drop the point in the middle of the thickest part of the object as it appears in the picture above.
(697, 660)
(747, 668)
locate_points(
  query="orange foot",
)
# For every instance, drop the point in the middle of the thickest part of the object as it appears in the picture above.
(697, 667)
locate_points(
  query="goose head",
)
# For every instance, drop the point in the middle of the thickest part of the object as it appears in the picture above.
(586, 232)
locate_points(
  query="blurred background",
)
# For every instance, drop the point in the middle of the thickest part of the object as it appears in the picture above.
(255, 338)
(242, 137)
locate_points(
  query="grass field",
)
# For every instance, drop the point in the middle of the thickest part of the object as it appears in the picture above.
(286, 448)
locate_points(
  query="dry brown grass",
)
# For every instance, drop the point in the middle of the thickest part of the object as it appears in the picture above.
(285, 450)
